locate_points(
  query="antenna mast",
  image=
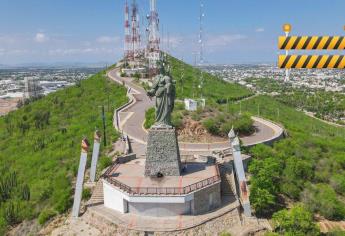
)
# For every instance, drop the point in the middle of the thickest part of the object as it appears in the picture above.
(127, 33)
(153, 49)
(201, 45)
(135, 31)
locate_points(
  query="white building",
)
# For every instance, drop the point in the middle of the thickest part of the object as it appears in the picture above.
(190, 104)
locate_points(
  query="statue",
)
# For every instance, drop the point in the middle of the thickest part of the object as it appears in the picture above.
(164, 91)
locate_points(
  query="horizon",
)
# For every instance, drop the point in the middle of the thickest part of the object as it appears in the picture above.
(236, 32)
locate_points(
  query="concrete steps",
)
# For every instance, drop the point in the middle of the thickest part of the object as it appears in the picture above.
(97, 197)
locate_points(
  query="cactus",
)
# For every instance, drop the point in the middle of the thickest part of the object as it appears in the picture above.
(4, 190)
(26, 193)
(12, 180)
(6, 186)
(11, 213)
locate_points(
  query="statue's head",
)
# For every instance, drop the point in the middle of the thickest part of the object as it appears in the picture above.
(161, 68)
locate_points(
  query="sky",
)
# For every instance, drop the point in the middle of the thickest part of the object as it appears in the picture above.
(89, 31)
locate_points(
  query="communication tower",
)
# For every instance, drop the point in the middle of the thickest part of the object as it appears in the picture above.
(153, 46)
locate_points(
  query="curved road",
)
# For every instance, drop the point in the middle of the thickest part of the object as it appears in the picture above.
(132, 117)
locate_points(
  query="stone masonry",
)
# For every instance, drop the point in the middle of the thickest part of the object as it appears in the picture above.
(163, 155)
(206, 200)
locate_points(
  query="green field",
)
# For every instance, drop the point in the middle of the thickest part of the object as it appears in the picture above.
(40, 143)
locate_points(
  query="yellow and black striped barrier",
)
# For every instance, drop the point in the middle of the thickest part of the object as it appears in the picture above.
(311, 61)
(311, 43)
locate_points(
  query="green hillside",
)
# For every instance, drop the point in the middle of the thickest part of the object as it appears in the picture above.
(40, 147)
(308, 166)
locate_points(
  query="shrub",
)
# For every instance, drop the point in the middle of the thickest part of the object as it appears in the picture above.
(137, 76)
(264, 187)
(262, 201)
(104, 162)
(150, 118)
(86, 194)
(211, 126)
(63, 203)
(338, 182)
(179, 106)
(196, 116)
(297, 221)
(46, 215)
(3, 225)
(177, 120)
(322, 199)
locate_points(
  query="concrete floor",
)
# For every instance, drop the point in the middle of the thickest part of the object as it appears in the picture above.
(132, 175)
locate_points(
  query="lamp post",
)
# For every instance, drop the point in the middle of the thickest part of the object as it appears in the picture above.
(104, 127)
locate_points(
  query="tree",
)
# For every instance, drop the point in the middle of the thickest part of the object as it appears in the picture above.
(264, 184)
(297, 221)
(262, 201)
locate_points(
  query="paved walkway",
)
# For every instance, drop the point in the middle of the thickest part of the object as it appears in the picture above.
(327, 225)
(131, 120)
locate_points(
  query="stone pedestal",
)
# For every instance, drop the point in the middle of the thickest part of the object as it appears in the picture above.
(163, 154)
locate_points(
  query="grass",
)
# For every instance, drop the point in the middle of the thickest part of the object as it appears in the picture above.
(41, 143)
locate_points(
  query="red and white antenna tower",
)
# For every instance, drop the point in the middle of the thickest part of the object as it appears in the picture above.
(135, 37)
(127, 47)
(153, 49)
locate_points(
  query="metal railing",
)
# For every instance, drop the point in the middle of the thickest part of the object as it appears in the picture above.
(160, 190)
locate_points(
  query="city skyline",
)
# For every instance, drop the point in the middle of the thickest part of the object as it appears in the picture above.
(235, 31)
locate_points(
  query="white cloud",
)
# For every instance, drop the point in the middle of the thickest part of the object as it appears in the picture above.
(79, 51)
(5, 39)
(259, 30)
(224, 39)
(41, 38)
(107, 39)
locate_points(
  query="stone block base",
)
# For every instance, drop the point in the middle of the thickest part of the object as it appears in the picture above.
(163, 154)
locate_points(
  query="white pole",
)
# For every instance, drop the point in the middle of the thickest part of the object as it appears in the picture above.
(80, 178)
(95, 155)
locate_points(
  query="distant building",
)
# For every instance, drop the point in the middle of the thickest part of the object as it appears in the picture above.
(32, 88)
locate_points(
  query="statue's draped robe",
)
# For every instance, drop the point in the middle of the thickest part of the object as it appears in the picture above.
(165, 96)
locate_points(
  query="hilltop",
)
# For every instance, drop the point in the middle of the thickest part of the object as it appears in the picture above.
(40, 148)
